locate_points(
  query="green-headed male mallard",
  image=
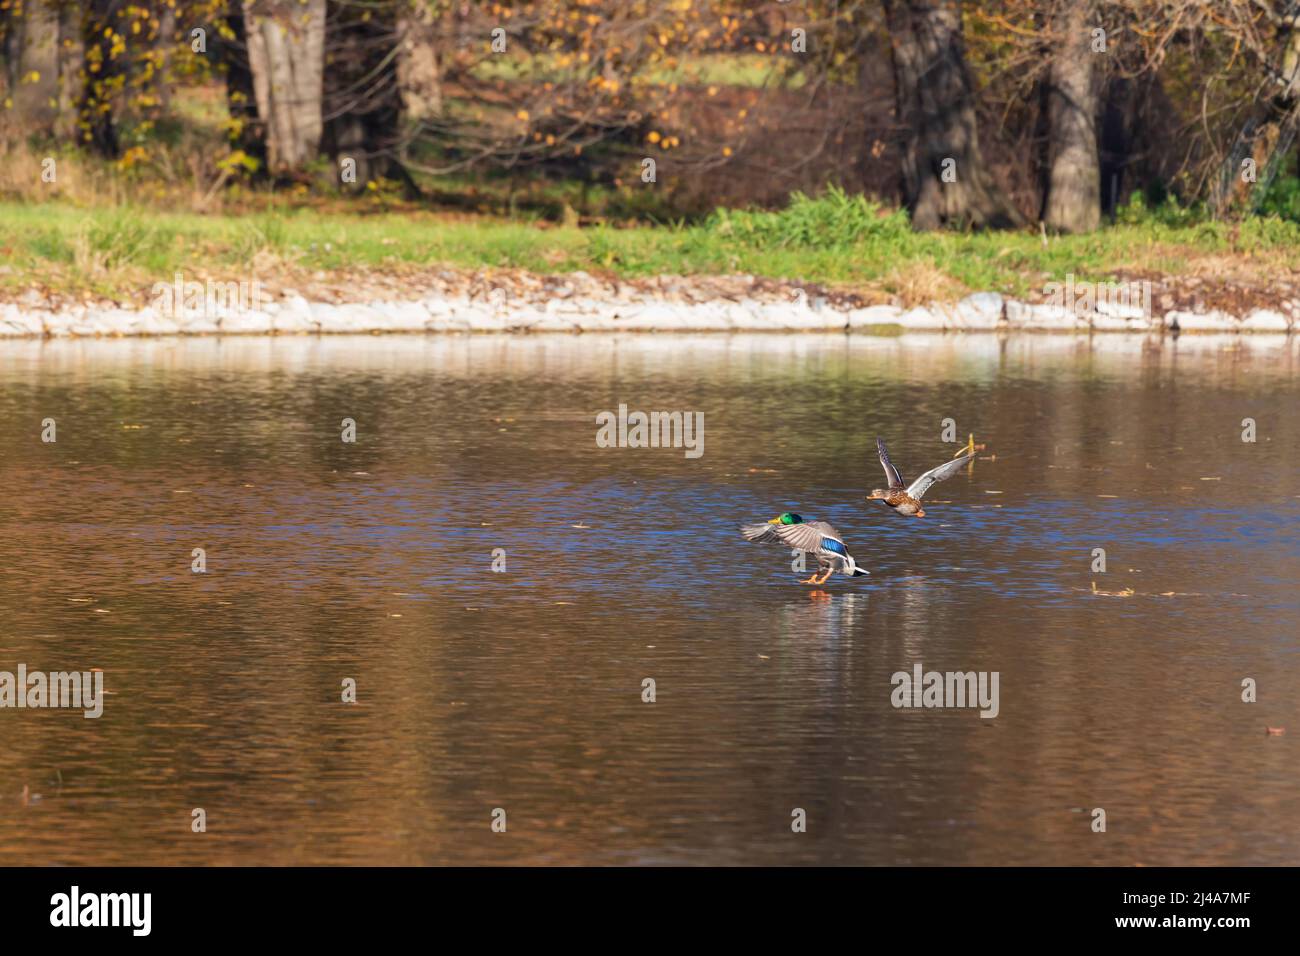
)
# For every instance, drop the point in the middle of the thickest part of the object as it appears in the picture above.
(817, 538)
(906, 499)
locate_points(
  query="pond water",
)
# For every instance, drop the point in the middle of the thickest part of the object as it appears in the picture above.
(522, 689)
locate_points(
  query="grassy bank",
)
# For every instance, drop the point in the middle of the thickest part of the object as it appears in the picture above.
(839, 241)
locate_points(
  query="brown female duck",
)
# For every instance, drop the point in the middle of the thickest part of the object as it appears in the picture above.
(906, 499)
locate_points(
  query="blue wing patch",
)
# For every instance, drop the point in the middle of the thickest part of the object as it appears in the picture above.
(831, 544)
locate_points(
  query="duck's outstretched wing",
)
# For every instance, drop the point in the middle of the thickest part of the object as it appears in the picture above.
(815, 536)
(764, 533)
(946, 470)
(891, 473)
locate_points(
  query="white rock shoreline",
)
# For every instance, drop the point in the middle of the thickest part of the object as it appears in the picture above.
(982, 312)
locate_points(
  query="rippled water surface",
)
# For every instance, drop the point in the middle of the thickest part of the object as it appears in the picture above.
(522, 690)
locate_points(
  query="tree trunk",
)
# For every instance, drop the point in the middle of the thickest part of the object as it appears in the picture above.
(363, 92)
(945, 179)
(1073, 202)
(35, 75)
(72, 61)
(9, 39)
(417, 66)
(286, 54)
(248, 131)
(164, 47)
(1116, 146)
(104, 78)
(1276, 132)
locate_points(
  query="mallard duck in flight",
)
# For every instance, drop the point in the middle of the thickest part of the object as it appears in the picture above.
(906, 499)
(817, 538)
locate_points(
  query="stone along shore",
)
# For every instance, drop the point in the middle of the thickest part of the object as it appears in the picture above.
(578, 302)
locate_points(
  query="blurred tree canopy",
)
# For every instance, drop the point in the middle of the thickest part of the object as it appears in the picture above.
(970, 114)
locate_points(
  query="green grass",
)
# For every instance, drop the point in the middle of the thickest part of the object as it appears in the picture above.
(752, 70)
(836, 239)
